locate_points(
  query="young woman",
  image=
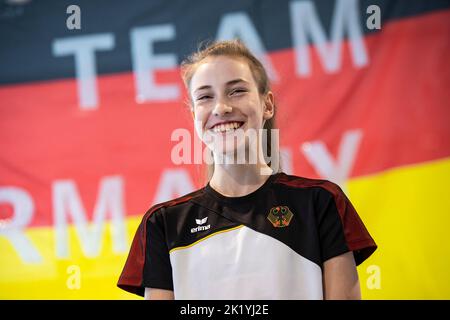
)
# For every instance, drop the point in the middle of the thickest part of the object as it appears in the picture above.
(246, 234)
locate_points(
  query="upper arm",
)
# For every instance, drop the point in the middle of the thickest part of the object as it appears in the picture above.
(340, 227)
(344, 243)
(340, 278)
(158, 294)
(148, 263)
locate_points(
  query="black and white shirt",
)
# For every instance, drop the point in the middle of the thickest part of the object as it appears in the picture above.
(269, 244)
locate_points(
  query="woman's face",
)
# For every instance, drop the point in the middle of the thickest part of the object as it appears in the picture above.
(226, 102)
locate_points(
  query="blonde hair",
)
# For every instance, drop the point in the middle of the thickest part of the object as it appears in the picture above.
(230, 48)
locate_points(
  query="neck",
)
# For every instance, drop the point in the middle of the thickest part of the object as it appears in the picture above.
(237, 180)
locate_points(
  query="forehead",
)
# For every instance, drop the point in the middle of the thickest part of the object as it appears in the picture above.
(214, 71)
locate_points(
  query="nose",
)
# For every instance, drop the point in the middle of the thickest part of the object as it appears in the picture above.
(220, 108)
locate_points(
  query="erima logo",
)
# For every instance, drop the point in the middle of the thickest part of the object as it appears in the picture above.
(200, 226)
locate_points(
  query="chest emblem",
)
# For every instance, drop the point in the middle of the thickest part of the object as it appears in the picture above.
(280, 216)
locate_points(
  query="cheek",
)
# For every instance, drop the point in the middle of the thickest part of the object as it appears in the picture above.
(199, 122)
(198, 126)
(254, 112)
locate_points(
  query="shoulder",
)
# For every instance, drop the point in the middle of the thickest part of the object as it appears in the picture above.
(159, 209)
(321, 186)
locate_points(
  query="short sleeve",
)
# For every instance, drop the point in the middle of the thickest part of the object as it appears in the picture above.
(148, 262)
(340, 227)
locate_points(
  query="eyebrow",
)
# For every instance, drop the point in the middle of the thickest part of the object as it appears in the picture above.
(231, 82)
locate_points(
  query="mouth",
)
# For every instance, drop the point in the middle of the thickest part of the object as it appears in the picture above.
(227, 127)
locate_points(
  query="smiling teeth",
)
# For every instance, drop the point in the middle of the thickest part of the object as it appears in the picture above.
(231, 126)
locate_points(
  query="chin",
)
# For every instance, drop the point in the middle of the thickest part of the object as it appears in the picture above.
(232, 154)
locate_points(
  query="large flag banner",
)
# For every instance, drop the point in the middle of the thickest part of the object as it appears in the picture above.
(90, 95)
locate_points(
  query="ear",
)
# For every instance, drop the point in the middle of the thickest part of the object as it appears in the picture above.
(269, 106)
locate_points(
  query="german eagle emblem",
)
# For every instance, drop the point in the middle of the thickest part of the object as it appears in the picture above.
(280, 216)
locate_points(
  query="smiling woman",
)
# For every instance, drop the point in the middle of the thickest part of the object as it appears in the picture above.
(218, 78)
(245, 234)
